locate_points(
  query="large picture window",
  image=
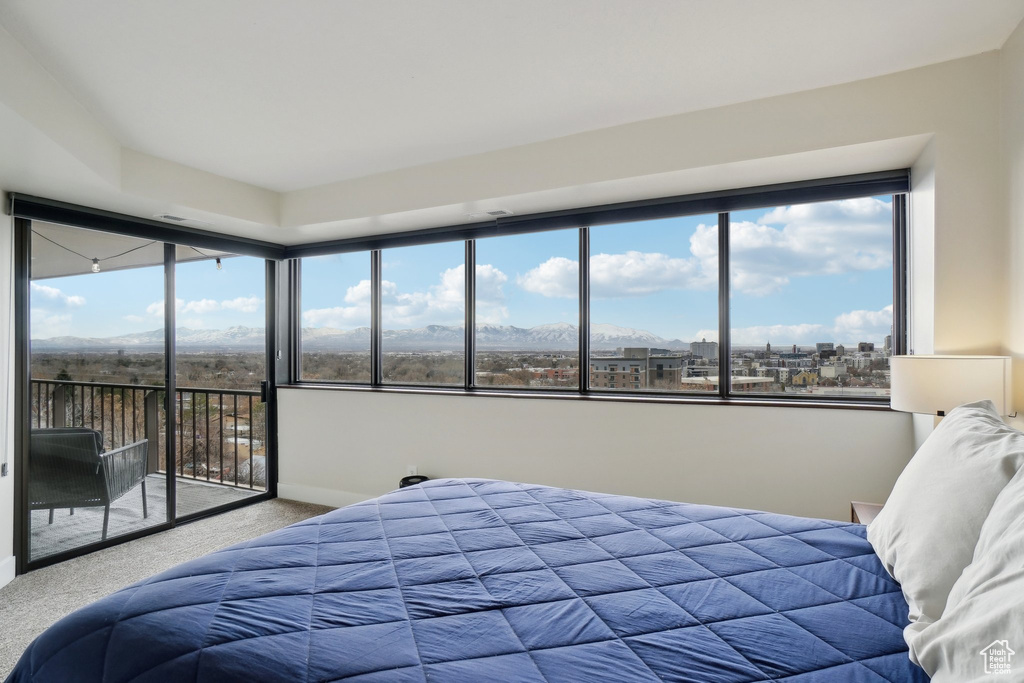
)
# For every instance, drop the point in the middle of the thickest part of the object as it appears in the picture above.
(423, 313)
(335, 319)
(792, 292)
(654, 305)
(527, 310)
(812, 298)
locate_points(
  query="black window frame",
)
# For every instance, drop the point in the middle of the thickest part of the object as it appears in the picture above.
(893, 182)
(25, 209)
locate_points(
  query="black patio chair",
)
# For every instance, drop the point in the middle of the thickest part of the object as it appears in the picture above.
(69, 469)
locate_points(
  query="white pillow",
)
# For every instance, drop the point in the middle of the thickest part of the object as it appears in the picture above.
(926, 533)
(986, 605)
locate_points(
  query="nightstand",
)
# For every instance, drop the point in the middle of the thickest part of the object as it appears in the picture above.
(863, 513)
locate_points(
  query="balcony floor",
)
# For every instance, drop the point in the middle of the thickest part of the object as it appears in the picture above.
(85, 527)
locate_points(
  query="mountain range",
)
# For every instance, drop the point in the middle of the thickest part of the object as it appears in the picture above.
(552, 337)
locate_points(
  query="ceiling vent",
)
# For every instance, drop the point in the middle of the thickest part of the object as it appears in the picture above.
(497, 213)
(171, 218)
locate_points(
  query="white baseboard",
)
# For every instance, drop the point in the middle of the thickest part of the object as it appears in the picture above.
(319, 496)
(6, 571)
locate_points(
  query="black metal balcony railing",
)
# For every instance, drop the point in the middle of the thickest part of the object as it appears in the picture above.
(221, 433)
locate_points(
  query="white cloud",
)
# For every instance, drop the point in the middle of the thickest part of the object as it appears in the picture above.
(341, 317)
(490, 295)
(157, 307)
(134, 318)
(847, 328)
(441, 304)
(864, 325)
(758, 335)
(638, 273)
(633, 273)
(46, 324)
(558, 277)
(826, 238)
(241, 304)
(56, 295)
(201, 306)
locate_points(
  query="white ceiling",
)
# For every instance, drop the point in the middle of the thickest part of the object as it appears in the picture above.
(291, 95)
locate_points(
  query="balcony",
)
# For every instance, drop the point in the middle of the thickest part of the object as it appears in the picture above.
(219, 455)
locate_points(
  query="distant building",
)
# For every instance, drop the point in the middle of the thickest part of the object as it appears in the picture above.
(738, 383)
(704, 349)
(768, 348)
(840, 351)
(555, 374)
(637, 368)
(824, 346)
(864, 347)
(664, 371)
(805, 378)
(888, 344)
(615, 372)
(833, 371)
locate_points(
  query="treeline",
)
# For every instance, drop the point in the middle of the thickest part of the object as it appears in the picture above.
(493, 368)
(199, 370)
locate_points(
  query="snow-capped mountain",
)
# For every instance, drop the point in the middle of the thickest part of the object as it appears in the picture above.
(550, 337)
(233, 338)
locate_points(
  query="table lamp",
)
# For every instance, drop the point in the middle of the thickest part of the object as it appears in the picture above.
(934, 385)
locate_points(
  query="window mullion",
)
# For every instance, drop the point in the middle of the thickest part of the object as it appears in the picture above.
(584, 322)
(901, 298)
(470, 379)
(376, 321)
(724, 351)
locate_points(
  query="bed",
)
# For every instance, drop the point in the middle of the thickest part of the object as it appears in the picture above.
(473, 579)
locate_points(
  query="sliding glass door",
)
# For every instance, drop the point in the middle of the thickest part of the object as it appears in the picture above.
(97, 442)
(221, 449)
(138, 413)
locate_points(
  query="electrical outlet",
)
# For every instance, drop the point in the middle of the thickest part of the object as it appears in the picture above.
(410, 470)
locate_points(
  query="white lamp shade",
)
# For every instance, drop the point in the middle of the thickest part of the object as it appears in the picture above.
(937, 384)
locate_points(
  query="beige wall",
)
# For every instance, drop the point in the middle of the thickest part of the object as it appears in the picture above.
(6, 398)
(338, 446)
(1012, 129)
(342, 446)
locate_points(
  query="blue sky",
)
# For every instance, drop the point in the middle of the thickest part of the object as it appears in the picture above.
(800, 274)
(116, 302)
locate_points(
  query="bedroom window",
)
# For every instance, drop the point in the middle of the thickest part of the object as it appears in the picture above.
(791, 292)
(653, 292)
(335, 329)
(423, 311)
(527, 310)
(811, 298)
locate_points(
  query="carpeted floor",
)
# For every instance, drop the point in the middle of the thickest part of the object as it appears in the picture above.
(33, 601)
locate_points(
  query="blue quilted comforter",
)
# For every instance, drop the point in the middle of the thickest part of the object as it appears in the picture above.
(482, 580)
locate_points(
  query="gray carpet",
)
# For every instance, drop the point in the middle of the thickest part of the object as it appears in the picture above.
(33, 601)
(86, 526)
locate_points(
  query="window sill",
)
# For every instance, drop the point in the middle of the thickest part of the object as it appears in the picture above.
(575, 395)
